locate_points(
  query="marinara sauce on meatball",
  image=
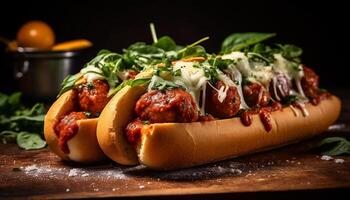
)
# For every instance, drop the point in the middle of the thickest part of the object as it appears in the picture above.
(172, 105)
(310, 82)
(256, 95)
(93, 96)
(228, 107)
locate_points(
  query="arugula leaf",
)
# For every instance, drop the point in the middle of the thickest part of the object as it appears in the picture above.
(139, 55)
(290, 52)
(29, 141)
(166, 43)
(335, 146)
(69, 82)
(132, 83)
(160, 84)
(239, 41)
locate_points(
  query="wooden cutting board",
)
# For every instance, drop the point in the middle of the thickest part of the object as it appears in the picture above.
(40, 174)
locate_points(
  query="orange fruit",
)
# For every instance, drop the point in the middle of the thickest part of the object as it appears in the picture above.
(36, 34)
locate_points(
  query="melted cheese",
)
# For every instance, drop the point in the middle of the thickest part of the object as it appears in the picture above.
(193, 80)
(91, 73)
(255, 72)
(284, 66)
(236, 75)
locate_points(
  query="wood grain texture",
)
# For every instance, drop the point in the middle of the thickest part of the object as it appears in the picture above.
(40, 174)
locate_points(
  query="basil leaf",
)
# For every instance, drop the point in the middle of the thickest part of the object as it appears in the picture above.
(335, 146)
(30, 141)
(239, 41)
(165, 43)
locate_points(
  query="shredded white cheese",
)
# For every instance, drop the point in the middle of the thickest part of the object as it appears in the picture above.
(193, 79)
(91, 73)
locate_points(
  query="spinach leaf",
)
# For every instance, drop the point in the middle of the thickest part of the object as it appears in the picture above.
(195, 51)
(29, 141)
(16, 118)
(239, 41)
(335, 146)
(166, 43)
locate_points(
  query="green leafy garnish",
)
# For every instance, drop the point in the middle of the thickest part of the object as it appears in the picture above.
(193, 50)
(166, 43)
(159, 83)
(137, 57)
(335, 146)
(29, 141)
(132, 83)
(69, 82)
(21, 124)
(290, 99)
(239, 41)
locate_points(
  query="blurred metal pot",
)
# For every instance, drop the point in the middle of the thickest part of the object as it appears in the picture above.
(39, 74)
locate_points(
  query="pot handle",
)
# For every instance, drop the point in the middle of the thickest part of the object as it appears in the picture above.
(21, 69)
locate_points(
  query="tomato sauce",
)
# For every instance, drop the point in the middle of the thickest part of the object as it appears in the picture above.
(67, 128)
(264, 115)
(133, 131)
(316, 100)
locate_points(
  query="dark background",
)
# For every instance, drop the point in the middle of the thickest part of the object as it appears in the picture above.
(319, 28)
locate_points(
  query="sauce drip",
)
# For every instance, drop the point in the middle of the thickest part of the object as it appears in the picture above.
(264, 115)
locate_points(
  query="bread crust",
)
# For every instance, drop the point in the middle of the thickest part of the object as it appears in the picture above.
(178, 145)
(83, 146)
(113, 119)
(166, 146)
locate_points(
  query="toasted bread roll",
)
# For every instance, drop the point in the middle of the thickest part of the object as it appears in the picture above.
(178, 145)
(83, 146)
(113, 119)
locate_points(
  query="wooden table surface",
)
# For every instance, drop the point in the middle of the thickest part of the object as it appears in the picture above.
(40, 174)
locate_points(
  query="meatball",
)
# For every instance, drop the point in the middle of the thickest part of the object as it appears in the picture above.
(256, 95)
(228, 107)
(93, 96)
(66, 128)
(310, 82)
(280, 87)
(173, 105)
(133, 131)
